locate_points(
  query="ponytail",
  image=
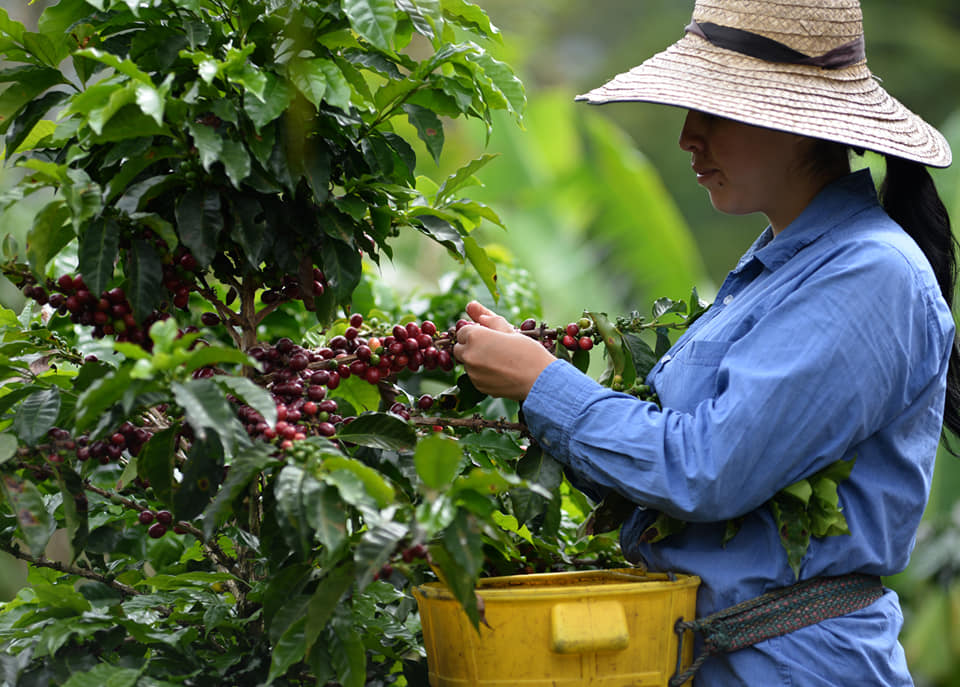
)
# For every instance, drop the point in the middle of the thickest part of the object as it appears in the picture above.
(910, 198)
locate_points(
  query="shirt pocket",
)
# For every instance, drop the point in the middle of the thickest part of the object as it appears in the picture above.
(691, 375)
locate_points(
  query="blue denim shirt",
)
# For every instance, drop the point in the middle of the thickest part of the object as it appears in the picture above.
(828, 341)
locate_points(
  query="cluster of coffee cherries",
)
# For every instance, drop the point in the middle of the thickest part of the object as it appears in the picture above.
(110, 313)
(127, 437)
(158, 523)
(576, 336)
(300, 379)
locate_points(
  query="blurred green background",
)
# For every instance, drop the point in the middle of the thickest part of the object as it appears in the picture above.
(603, 211)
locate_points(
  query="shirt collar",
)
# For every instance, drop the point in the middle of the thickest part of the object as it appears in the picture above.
(835, 203)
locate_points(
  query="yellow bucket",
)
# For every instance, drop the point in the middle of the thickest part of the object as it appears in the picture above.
(603, 628)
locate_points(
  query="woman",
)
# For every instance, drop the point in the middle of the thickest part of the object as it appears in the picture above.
(832, 339)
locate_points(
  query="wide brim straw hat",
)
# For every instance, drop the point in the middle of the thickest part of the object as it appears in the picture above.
(792, 65)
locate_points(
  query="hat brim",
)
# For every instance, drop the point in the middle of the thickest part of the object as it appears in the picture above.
(843, 105)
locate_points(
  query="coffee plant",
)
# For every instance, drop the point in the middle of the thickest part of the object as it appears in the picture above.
(248, 457)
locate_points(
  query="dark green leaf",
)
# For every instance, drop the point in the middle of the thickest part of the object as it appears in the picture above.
(144, 279)
(644, 359)
(51, 231)
(29, 117)
(325, 599)
(376, 547)
(200, 222)
(157, 460)
(540, 468)
(348, 653)
(468, 396)
(208, 410)
(276, 97)
(104, 675)
(379, 430)
(99, 246)
(32, 81)
(244, 467)
(74, 509)
(37, 415)
(290, 649)
(26, 502)
(429, 128)
(292, 488)
(326, 514)
(201, 477)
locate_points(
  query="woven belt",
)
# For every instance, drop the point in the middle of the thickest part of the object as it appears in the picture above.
(776, 613)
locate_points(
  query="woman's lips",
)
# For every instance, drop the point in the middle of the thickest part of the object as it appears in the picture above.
(705, 174)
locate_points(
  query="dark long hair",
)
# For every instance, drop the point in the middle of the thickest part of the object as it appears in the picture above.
(910, 198)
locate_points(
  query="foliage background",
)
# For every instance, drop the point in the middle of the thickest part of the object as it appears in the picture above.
(602, 210)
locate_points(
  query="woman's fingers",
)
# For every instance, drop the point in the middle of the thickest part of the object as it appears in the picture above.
(487, 318)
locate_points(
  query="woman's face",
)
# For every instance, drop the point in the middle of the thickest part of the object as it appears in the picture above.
(750, 169)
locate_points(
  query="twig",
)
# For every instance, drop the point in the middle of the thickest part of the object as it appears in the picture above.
(44, 562)
(475, 424)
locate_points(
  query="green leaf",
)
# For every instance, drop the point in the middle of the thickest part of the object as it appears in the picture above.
(324, 601)
(99, 247)
(540, 468)
(503, 81)
(793, 523)
(252, 394)
(8, 447)
(429, 128)
(31, 82)
(236, 161)
(359, 393)
(437, 459)
(208, 143)
(374, 483)
(461, 177)
(125, 66)
(309, 78)
(201, 476)
(485, 267)
(276, 97)
(26, 502)
(144, 278)
(644, 359)
(376, 547)
(801, 490)
(37, 415)
(157, 461)
(469, 15)
(426, 16)
(105, 675)
(379, 430)
(348, 653)
(74, 509)
(50, 232)
(290, 649)
(325, 513)
(243, 468)
(214, 354)
(292, 489)
(200, 222)
(374, 20)
(207, 410)
(100, 395)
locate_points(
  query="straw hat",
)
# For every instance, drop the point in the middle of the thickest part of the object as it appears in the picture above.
(792, 65)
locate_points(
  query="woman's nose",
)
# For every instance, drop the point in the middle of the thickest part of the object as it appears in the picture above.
(691, 136)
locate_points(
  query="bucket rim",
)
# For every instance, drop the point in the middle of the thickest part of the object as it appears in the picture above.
(566, 584)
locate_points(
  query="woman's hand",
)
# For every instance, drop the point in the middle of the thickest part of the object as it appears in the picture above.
(500, 361)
